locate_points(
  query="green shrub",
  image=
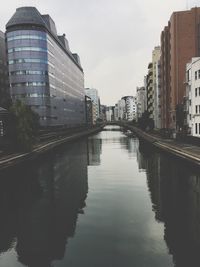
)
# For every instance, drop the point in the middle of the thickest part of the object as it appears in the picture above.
(23, 126)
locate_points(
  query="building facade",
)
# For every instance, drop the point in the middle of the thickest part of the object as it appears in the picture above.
(150, 91)
(193, 96)
(43, 73)
(4, 84)
(89, 111)
(103, 112)
(130, 107)
(116, 112)
(110, 113)
(3, 122)
(93, 94)
(141, 101)
(179, 43)
(156, 87)
(4, 89)
(121, 109)
(165, 78)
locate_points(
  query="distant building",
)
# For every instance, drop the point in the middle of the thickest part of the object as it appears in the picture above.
(43, 72)
(152, 84)
(121, 109)
(110, 113)
(141, 101)
(130, 108)
(89, 111)
(193, 96)
(156, 87)
(103, 112)
(4, 84)
(150, 91)
(116, 112)
(93, 94)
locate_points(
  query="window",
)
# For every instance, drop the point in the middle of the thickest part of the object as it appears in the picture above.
(26, 36)
(30, 95)
(19, 49)
(27, 60)
(195, 75)
(44, 118)
(189, 75)
(199, 74)
(190, 102)
(1, 128)
(199, 109)
(36, 95)
(196, 130)
(29, 84)
(199, 91)
(196, 109)
(28, 72)
(195, 91)
(199, 128)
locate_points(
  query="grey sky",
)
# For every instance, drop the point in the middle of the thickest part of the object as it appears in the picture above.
(114, 38)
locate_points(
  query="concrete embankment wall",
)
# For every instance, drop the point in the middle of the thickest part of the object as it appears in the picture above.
(40, 149)
(170, 148)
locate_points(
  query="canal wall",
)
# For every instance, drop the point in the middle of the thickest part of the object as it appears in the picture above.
(187, 152)
(11, 160)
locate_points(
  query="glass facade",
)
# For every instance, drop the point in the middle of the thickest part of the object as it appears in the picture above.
(66, 83)
(46, 76)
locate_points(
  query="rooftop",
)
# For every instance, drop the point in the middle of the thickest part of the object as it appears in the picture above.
(29, 16)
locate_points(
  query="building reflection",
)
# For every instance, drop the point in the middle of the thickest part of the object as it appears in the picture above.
(130, 144)
(174, 188)
(17, 190)
(94, 151)
(43, 207)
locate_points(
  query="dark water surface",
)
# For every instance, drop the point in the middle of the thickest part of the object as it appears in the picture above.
(108, 201)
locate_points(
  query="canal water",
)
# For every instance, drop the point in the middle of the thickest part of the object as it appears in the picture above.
(105, 201)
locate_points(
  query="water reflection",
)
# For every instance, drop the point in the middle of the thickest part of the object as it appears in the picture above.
(94, 151)
(143, 207)
(175, 194)
(130, 144)
(40, 208)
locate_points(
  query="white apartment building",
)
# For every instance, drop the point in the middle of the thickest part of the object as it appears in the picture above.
(141, 101)
(130, 108)
(109, 113)
(193, 96)
(121, 109)
(156, 86)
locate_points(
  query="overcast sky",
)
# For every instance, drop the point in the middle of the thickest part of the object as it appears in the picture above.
(114, 38)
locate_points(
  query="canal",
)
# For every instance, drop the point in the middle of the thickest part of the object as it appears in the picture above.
(105, 201)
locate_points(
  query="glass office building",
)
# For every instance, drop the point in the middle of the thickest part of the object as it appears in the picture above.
(43, 72)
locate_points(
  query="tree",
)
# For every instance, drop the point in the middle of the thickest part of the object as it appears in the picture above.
(145, 122)
(23, 126)
(99, 121)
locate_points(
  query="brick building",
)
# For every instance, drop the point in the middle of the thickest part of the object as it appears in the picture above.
(179, 43)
